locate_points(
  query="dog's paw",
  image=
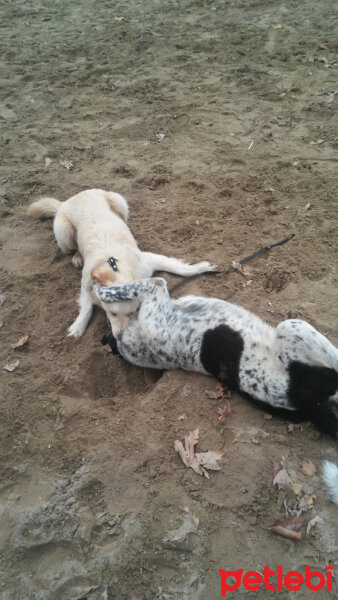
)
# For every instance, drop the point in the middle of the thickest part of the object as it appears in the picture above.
(205, 266)
(76, 330)
(77, 260)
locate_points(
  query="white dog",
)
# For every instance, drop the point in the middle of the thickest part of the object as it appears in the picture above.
(93, 224)
(291, 367)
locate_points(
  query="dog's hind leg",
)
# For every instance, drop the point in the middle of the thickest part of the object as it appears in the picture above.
(298, 340)
(156, 262)
(64, 233)
(77, 260)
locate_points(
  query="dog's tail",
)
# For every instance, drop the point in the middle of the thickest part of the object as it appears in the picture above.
(330, 476)
(45, 207)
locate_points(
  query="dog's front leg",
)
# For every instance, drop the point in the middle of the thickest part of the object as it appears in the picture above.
(78, 328)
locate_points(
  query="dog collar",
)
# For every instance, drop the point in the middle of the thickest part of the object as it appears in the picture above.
(112, 262)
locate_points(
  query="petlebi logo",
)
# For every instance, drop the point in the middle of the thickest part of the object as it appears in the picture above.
(275, 580)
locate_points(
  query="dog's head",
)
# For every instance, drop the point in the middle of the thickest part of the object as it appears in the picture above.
(103, 274)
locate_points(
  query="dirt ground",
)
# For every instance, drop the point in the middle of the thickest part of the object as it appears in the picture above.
(96, 503)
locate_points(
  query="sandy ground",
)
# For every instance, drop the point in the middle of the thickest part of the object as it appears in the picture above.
(96, 503)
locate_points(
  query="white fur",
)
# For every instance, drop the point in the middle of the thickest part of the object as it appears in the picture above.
(94, 224)
(330, 476)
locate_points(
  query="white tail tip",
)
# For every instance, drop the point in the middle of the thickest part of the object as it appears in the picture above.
(330, 476)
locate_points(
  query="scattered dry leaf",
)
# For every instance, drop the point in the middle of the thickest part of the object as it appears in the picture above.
(66, 163)
(2, 299)
(316, 519)
(307, 467)
(198, 462)
(267, 417)
(243, 270)
(160, 136)
(182, 417)
(231, 134)
(279, 465)
(307, 206)
(260, 437)
(118, 19)
(21, 342)
(224, 412)
(11, 366)
(282, 479)
(106, 348)
(316, 142)
(294, 427)
(288, 528)
(48, 161)
(1, 323)
(306, 502)
(219, 393)
(321, 47)
(296, 488)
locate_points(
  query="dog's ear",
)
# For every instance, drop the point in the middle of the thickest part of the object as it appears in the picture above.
(103, 275)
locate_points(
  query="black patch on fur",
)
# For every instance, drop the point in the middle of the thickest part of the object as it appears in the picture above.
(111, 341)
(309, 391)
(221, 352)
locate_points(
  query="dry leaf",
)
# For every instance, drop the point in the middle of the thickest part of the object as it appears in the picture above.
(243, 270)
(267, 417)
(306, 502)
(307, 206)
(294, 427)
(118, 19)
(208, 460)
(231, 134)
(224, 412)
(307, 467)
(66, 163)
(21, 342)
(321, 47)
(182, 417)
(278, 466)
(260, 437)
(292, 523)
(48, 161)
(316, 142)
(11, 366)
(160, 136)
(297, 489)
(282, 479)
(316, 519)
(1, 323)
(288, 528)
(201, 461)
(220, 393)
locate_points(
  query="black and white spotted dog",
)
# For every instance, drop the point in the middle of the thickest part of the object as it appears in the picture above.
(291, 367)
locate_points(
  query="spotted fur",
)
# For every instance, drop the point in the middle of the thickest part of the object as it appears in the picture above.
(290, 367)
